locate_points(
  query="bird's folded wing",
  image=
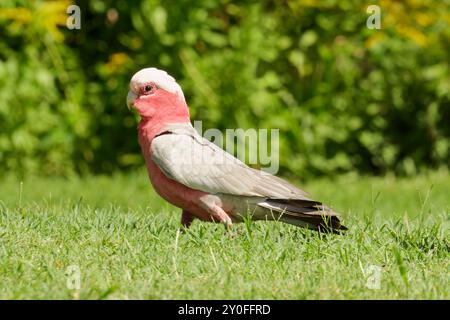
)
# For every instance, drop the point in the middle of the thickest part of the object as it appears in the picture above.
(195, 162)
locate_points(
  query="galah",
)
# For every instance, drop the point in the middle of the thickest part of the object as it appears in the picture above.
(202, 179)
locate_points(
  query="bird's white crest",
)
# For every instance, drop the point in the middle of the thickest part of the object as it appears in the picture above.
(160, 77)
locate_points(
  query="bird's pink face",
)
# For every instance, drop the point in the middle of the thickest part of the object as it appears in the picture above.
(155, 95)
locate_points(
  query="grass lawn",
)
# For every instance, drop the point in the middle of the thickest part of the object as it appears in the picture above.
(123, 240)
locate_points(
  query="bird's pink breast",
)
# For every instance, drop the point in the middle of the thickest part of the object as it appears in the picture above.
(171, 190)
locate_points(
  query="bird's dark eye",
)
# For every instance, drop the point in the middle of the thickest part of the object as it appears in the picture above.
(147, 89)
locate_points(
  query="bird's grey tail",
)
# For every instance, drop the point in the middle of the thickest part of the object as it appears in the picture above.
(305, 213)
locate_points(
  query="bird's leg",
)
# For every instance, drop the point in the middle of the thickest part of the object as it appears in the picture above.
(186, 218)
(222, 216)
(212, 204)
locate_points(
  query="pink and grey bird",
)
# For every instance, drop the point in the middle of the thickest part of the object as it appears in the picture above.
(203, 180)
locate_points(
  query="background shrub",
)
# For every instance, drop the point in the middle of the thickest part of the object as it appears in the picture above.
(344, 97)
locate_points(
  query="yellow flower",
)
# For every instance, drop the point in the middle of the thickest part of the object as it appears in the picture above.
(424, 19)
(116, 61)
(374, 39)
(47, 16)
(52, 14)
(413, 34)
(19, 15)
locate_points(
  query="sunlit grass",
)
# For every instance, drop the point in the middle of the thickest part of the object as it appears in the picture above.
(123, 238)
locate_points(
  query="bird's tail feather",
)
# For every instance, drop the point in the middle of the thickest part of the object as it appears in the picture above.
(305, 213)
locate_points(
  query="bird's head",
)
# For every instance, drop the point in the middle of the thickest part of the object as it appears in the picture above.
(156, 96)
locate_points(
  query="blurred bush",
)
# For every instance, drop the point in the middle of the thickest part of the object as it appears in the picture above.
(344, 97)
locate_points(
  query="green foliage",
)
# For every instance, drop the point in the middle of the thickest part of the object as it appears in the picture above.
(344, 97)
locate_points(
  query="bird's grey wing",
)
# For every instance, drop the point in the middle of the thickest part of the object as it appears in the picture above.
(193, 161)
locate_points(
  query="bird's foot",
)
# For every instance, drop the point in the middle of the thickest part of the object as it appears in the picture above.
(219, 214)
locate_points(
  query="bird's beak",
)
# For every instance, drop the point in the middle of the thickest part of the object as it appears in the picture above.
(131, 97)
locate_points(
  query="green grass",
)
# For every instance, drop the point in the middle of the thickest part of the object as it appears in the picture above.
(124, 240)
